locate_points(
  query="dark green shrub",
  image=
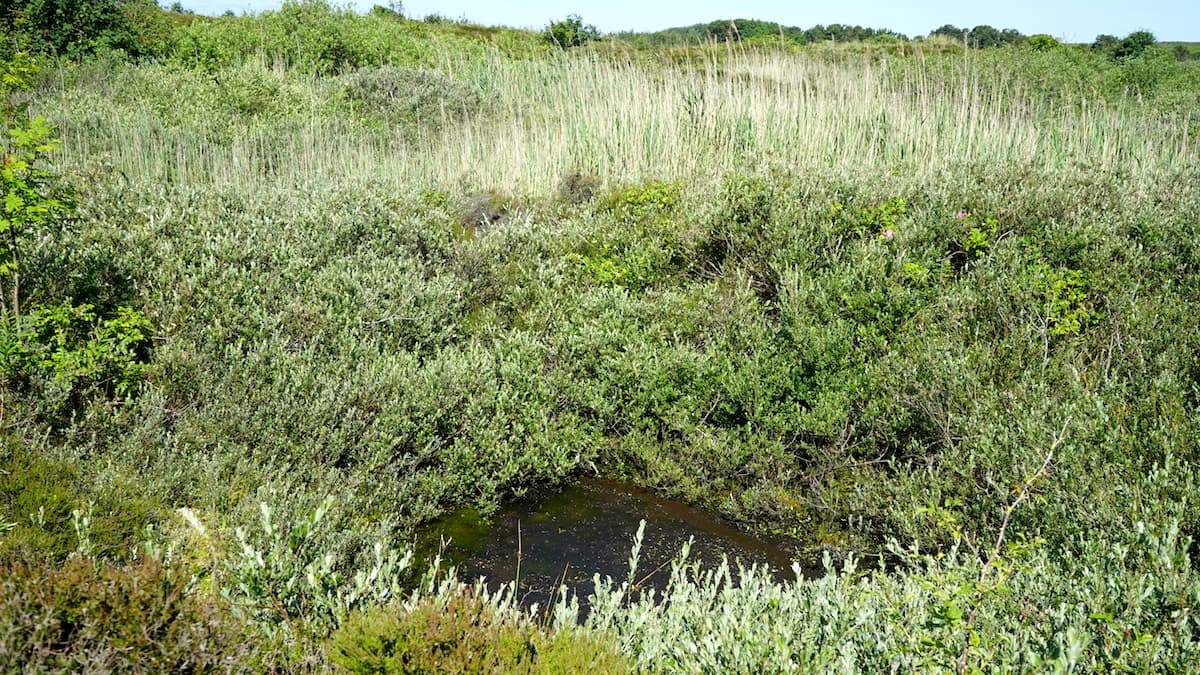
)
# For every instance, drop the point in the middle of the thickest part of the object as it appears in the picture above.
(984, 36)
(747, 201)
(739, 231)
(312, 33)
(463, 635)
(76, 27)
(1043, 43)
(570, 32)
(1134, 45)
(1150, 73)
(1105, 43)
(394, 10)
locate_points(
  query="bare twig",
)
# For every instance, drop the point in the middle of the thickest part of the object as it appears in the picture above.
(638, 586)
(1022, 495)
(386, 319)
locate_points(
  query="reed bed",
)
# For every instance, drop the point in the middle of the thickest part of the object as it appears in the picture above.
(626, 121)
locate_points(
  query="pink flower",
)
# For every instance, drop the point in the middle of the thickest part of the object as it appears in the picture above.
(888, 234)
(963, 214)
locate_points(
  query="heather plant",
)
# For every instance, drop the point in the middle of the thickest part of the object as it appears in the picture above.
(95, 616)
(461, 633)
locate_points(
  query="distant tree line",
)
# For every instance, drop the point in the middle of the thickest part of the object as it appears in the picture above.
(979, 37)
(983, 36)
(737, 30)
(141, 28)
(749, 29)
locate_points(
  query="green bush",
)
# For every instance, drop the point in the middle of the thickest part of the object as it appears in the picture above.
(29, 202)
(880, 219)
(74, 28)
(570, 32)
(462, 634)
(1145, 73)
(1043, 43)
(646, 243)
(69, 353)
(646, 204)
(974, 235)
(1134, 45)
(414, 100)
(1065, 294)
(317, 36)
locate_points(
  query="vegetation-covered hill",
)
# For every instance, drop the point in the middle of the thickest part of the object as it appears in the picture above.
(279, 287)
(751, 29)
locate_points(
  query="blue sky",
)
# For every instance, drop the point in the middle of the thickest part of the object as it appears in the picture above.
(1073, 20)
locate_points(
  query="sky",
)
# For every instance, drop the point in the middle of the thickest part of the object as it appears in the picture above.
(1069, 20)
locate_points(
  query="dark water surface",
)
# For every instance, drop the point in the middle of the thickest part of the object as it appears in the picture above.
(589, 527)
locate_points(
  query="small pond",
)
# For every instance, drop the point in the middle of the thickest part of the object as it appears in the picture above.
(588, 527)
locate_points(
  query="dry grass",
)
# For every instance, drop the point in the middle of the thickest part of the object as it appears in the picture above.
(623, 120)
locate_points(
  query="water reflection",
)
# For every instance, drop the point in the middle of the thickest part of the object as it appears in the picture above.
(588, 528)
